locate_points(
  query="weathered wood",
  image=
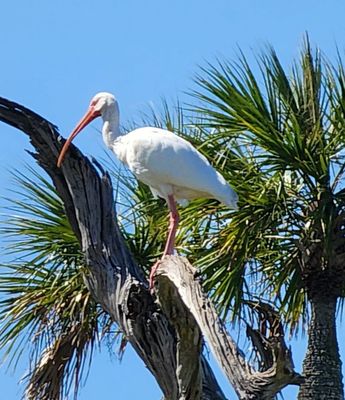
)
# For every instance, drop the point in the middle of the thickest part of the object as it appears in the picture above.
(177, 272)
(248, 384)
(166, 337)
(114, 279)
(188, 335)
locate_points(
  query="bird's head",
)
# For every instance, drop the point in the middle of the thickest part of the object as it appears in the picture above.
(100, 104)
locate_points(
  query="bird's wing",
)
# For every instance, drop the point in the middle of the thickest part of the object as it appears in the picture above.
(159, 157)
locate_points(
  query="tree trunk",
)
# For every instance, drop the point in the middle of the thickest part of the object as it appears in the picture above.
(161, 334)
(322, 364)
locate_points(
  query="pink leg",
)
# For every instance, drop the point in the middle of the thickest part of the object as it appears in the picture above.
(173, 223)
(169, 246)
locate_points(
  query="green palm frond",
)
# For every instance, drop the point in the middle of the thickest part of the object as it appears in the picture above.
(286, 134)
(45, 305)
(282, 116)
(276, 136)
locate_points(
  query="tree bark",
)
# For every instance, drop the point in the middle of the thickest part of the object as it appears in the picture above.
(168, 342)
(177, 275)
(322, 365)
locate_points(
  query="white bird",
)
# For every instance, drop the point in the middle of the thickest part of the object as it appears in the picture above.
(172, 168)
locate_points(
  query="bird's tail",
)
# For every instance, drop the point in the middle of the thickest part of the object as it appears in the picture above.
(230, 198)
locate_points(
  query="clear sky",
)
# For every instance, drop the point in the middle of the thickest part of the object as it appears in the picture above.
(56, 55)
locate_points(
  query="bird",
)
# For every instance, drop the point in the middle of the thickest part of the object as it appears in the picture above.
(170, 165)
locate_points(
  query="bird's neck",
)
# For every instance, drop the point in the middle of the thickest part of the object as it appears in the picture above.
(111, 125)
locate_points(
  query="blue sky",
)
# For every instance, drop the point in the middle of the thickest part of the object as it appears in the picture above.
(56, 55)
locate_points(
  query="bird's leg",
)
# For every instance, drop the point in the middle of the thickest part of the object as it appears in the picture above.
(173, 223)
(169, 246)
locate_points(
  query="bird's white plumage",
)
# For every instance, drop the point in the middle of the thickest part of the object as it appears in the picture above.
(170, 165)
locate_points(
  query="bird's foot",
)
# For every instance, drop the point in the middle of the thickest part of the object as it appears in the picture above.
(152, 274)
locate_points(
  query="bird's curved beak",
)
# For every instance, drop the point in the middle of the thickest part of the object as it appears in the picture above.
(90, 115)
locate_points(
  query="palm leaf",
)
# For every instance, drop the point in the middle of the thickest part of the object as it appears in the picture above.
(285, 131)
(44, 302)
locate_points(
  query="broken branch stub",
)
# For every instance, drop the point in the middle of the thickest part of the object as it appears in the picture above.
(176, 272)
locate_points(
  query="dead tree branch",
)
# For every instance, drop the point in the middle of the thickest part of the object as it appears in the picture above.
(114, 279)
(177, 273)
(168, 337)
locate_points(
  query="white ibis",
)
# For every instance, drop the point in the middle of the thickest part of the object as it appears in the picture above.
(172, 168)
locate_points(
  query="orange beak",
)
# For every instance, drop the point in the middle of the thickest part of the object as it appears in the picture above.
(90, 115)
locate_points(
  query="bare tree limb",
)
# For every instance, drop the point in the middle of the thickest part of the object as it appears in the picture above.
(168, 337)
(176, 272)
(114, 279)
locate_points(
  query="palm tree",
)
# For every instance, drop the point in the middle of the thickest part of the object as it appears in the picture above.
(282, 137)
(278, 138)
